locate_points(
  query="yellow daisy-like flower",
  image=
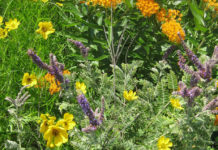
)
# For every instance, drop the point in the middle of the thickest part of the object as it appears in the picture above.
(1, 20)
(30, 80)
(164, 143)
(59, 4)
(67, 123)
(171, 28)
(105, 3)
(55, 136)
(80, 87)
(44, 1)
(3, 33)
(129, 95)
(12, 24)
(47, 121)
(147, 7)
(45, 28)
(175, 103)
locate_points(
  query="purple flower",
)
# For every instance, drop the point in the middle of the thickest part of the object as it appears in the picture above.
(169, 51)
(87, 110)
(83, 50)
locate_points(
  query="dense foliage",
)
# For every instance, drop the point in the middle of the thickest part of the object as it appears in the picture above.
(109, 74)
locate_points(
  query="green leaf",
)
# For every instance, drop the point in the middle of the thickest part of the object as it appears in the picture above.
(172, 81)
(197, 13)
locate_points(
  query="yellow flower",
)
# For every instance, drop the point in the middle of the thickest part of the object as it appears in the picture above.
(147, 7)
(3, 33)
(12, 24)
(164, 143)
(45, 28)
(59, 4)
(172, 14)
(30, 80)
(105, 3)
(44, 1)
(171, 28)
(49, 77)
(80, 87)
(47, 121)
(129, 96)
(216, 84)
(66, 72)
(1, 20)
(175, 103)
(216, 121)
(55, 136)
(54, 87)
(67, 123)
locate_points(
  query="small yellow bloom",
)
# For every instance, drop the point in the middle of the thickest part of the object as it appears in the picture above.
(80, 87)
(66, 72)
(164, 143)
(216, 84)
(59, 4)
(54, 87)
(50, 78)
(30, 80)
(47, 120)
(55, 136)
(175, 103)
(129, 96)
(45, 28)
(3, 33)
(44, 1)
(104, 3)
(67, 123)
(12, 24)
(1, 20)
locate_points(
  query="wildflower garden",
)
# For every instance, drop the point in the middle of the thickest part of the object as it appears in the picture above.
(109, 74)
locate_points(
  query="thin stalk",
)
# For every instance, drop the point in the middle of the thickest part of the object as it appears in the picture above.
(18, 128)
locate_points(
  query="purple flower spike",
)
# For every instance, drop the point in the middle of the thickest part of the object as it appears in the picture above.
(211, 105)
(169, 51)
(57, 72)
(36, 59)
(83, 50)
(190, 54)
(87, 110)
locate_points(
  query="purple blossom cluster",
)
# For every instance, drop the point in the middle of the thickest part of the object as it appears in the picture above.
(94, 123)
(204, 70)
(55, 68)
(189, 93)
(83, 50)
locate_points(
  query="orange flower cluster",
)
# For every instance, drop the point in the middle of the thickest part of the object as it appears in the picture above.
(147, 7)
(172, 14)
(171, 25)
(105, 3)
(212, 3)
(171, 28)
(49, 78)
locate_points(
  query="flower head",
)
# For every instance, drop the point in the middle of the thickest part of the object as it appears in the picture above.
(30, 80)
(67, 123)
(66, 72)
(1, 20)
(45, 28)
(171, 28)
(129, 95)
(80, 87)
(47, 120)
(147, 7)
(164, 143)
(50, 78)
(59, 4)
(3, 33)
(105, 3)
(12, 24)
(54, 87)
(55, 136)
(175, 103)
